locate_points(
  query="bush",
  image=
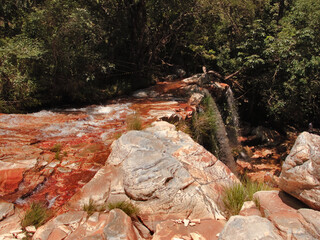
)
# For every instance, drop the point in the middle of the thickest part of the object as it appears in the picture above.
(36, 215)
(92, 207)
(235, 195)
(134, 122)
(126, 207)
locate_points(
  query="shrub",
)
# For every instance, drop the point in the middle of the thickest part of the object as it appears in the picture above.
(134, 122)
(235, 195)
(126, 207)
(92, 207)
(36, 215)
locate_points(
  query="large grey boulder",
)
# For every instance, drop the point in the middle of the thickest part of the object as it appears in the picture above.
(300, 174)
(249, 228)
(164, 173)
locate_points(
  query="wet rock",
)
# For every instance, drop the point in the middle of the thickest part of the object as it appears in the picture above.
(300, 174)
(249, 228)
(206, 230)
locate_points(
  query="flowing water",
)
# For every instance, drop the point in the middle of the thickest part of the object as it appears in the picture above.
(49, 155)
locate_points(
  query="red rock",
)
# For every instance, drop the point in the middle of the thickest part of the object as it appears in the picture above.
(57, 234)
(249, 208)
(10, 179)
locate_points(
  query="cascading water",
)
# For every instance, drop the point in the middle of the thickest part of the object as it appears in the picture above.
(225, 154)
(232, 120)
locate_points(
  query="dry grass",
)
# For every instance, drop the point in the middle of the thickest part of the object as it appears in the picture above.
(235, 195)
(134, 122)
(126, 207)
(36, 215)
(93, 207)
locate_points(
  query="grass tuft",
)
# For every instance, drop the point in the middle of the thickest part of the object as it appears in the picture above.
(235, 195)
(126, 207)
(36, 215)
(56, 148)
(93, 207)
(134, 122)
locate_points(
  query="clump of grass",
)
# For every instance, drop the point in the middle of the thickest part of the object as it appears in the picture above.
(183, 126)
(134, 122)
(57, 156)
(92, 207)
(233, 198)
(203, 126)
(36, 215)
(56, 148)
(117, 135)
(126, 207)
(235, 195)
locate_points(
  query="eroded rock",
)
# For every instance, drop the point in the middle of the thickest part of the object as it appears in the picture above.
(300, 174)
(165, 174)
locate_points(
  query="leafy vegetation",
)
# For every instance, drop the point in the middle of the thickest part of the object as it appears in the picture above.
(126, 207)
(235, 195)
(93, 207)
(75, 51)
(36, 215)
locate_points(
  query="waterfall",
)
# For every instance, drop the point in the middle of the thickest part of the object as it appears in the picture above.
(225, 154)
(232, 120)
(221, 137)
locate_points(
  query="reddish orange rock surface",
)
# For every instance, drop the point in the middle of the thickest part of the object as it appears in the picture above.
(49, 155)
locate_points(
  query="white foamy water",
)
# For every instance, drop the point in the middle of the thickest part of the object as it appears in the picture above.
(43, 113)
(98, 116)
(11, 120)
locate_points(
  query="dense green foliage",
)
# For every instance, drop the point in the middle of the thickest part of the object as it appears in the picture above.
(74, 51)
